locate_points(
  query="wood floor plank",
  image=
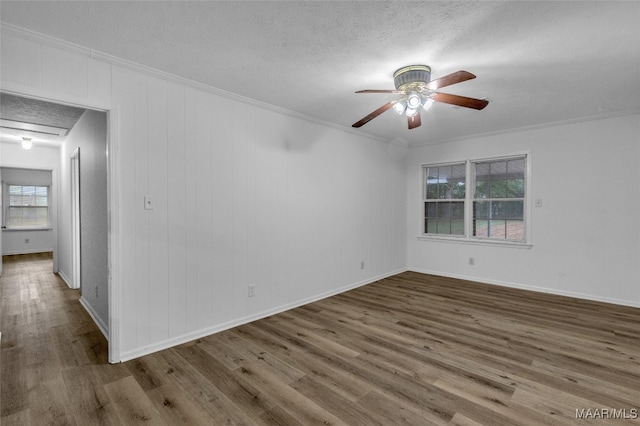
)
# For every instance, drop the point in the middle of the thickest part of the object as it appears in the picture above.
(49, 403)
(186, 379)
(90, 402)
(19, 418)
(410, 349)
(132, 404)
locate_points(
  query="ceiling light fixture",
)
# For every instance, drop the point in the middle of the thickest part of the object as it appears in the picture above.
(413, 104)
(26, 143)
(400, 106)
(426, 103)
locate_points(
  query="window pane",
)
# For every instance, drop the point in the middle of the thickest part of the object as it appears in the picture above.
(457, 226)
(498, 169)
(457, 181)
(432, 183)
(457, 210)
(481, 228)
(444, 226)
(430, 209)
(445, 182)
(515, 188)
(497, 229)
(508, 209)
(493, 216)
(41, 196)
(498, 210)
(444, 217)
(15, 215)
(15, 200)
(483, 170)
(498, 189)
(516, 167)
(444, 210)
(442, 180)
(515, 230)
(481, 209)
(431, 226)
(28, 206)
(482, 189)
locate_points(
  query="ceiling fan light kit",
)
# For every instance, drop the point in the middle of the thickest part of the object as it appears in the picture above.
(417, 90)
(412, 75)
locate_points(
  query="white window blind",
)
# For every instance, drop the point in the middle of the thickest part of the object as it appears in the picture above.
(28, 207)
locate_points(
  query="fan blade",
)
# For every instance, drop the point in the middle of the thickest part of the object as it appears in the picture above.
(414, 121)
(374, 114)
(448, 80)
(462, 101)
(379, 91)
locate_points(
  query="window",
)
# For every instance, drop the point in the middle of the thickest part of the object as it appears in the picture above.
(28, 207)
(483, 199)
(444, 197)
(498, 201)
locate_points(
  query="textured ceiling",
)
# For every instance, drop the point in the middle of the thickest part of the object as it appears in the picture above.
(537, 62)
(34, 111)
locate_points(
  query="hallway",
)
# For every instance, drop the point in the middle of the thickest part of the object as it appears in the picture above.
(45, 341)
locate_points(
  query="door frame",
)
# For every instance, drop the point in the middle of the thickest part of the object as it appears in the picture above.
(75, 219)
(53, 205)
(113, 206)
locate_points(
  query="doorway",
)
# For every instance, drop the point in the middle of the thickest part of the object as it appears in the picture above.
(82, 210)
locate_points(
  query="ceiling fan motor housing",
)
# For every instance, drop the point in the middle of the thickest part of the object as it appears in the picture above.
(412, 75)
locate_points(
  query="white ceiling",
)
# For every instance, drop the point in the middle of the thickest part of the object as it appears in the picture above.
(536, 62)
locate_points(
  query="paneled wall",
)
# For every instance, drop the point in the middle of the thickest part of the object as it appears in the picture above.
(585, 235)
(243, 194)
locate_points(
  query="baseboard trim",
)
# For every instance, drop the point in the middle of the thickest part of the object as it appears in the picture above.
(556, 292)
(178, 340)
(94, 315)
(65, 279)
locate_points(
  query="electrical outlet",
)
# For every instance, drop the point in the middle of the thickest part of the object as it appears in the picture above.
(252, 290)
(96, 291)
(472, 261)
(362, 264)
(26, 241)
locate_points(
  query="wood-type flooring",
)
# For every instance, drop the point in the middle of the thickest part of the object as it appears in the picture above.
(410, 349)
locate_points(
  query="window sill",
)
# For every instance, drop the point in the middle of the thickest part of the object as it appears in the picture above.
(479, 242)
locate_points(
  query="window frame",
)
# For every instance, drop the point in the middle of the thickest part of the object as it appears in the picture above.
(7, 206)
(470, 183)
(425, 199)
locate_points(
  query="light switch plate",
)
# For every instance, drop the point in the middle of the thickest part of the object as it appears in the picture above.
(148, 203)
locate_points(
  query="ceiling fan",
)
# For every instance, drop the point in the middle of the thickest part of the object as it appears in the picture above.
(417, 91)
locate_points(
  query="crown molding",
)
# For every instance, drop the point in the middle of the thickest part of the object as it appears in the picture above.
(153, 72)
(614, 114)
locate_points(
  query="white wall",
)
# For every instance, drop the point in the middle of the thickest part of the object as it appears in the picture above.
(38, 157)
(243, 195)
(90, 135)
(586, 235)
